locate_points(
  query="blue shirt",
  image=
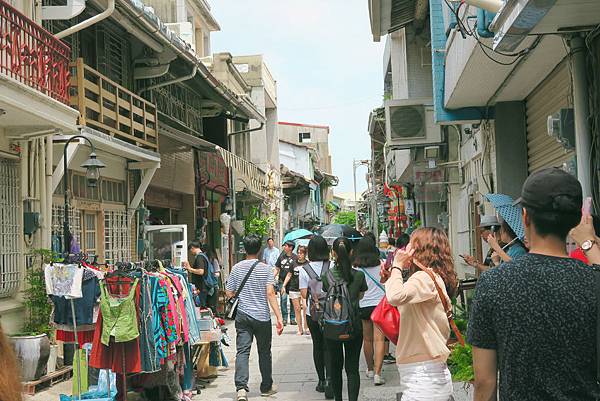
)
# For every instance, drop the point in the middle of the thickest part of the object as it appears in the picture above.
(516, 250)
(270, 256)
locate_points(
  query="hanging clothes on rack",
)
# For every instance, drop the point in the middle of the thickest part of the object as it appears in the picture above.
(119, 356)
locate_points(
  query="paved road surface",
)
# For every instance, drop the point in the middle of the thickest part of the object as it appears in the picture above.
(293, 373)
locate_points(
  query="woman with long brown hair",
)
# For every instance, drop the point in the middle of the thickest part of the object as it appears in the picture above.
(421, 353)
(10, 383)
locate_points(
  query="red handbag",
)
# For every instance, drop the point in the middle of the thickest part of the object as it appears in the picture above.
(387, 318)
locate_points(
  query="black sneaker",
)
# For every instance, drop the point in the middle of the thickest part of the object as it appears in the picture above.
(389, 359)
(320, 386)
(293, 323)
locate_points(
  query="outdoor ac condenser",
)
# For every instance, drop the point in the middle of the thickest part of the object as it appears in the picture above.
(410, 123)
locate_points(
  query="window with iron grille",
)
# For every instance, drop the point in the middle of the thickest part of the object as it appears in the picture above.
(10, 228)
(58, 211)
(117, 236)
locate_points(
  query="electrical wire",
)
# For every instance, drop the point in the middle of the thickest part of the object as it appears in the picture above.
(467, 30)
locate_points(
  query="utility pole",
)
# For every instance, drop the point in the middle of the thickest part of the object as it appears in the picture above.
(583, 138)
(355, 164)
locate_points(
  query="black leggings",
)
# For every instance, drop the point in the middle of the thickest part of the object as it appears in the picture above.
(320, 352)
(345, 354)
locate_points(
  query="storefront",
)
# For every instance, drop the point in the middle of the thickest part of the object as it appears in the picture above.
(102, 218)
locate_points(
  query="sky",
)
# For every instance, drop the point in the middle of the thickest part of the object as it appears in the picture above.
(327, 67)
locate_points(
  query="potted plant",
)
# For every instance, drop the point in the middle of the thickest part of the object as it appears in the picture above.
(32, 346)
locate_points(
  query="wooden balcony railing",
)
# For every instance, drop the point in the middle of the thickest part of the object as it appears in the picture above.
(108, 107)
(32, 55)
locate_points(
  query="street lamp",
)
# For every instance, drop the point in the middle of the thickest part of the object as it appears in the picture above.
(92, 174)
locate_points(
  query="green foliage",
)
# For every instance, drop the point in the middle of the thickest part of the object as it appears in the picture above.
(460, 363)
(38, 307)
(255, 224)
(461, 317)
(348, 218)
(330, 208)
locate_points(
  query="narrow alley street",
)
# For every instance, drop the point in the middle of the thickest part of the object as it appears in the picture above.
(294, 373)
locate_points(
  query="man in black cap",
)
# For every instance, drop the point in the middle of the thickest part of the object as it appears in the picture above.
(534, 320)
(285, 264)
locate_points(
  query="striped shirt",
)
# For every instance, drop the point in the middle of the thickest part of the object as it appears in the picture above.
(253, 297)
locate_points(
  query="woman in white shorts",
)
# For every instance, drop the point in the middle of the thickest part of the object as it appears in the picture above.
(292, 286)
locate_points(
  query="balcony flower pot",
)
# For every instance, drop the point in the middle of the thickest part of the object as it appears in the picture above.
(32, 355)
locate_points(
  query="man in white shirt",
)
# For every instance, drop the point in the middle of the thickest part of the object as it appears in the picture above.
(270, 254)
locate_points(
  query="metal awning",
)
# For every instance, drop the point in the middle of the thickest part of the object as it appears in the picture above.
(390, 15)
(187, 139)
(144, 160)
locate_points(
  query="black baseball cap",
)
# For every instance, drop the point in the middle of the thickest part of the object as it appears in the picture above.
(542, 188)
(290, 243)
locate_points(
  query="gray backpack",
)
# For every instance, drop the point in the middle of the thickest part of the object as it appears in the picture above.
(338, 312)
(315, 290)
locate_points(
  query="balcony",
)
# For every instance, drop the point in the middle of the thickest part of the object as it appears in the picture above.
(108, 107)
(33, 56)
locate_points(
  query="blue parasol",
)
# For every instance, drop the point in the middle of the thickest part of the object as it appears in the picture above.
(509, 213)
(296, 234)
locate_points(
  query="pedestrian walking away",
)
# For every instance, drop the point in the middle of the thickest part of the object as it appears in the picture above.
(550, 293)
(284, 264)
(253, 318)
(344, 353)
(422, 352)
(292, 282)
(310, 278)
(366, 259)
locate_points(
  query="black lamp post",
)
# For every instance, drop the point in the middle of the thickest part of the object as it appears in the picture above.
(227, 203)
(92, 174)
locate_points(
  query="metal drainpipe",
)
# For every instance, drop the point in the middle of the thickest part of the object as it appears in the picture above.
(88, 22)
(581, 112)
(172, 81)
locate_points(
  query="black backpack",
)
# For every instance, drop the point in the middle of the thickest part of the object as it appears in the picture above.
(338, 312)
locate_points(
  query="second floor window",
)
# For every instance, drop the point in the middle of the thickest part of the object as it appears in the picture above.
(304, 137)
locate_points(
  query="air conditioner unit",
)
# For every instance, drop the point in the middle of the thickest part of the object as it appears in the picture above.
(410, 123)
(185, 31)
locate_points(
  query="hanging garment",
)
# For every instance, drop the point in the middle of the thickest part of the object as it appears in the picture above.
(119, 316)
(68, 336)
(119, 357)
(84, 306)
(149, 356)
(63, 280)
(190, 308)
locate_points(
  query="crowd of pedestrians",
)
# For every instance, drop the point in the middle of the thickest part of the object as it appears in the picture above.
(534, 314)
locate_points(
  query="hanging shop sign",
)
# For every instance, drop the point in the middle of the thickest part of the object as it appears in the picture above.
(215, 171)
(409, 207)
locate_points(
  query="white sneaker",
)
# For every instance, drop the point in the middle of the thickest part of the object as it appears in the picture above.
(378, 380)
(370, 374)
(242, 395)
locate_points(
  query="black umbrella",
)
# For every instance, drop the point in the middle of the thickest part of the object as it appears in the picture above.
(332, 231)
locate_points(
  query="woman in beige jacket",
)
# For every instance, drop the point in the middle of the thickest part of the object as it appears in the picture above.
(422, 352)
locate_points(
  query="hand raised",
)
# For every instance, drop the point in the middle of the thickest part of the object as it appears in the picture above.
(403, 257)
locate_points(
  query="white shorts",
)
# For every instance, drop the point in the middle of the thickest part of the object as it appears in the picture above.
(294, 294)
(429, 381)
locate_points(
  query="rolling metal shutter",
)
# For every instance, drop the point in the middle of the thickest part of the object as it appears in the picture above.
(553, 94)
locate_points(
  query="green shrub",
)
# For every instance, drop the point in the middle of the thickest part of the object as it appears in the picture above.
(460, 363)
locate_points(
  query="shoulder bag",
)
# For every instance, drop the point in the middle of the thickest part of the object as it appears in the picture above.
(385, 316)
(231, 306)
(447, 307)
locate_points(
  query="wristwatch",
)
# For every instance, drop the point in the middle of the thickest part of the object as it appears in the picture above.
(587, 245)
